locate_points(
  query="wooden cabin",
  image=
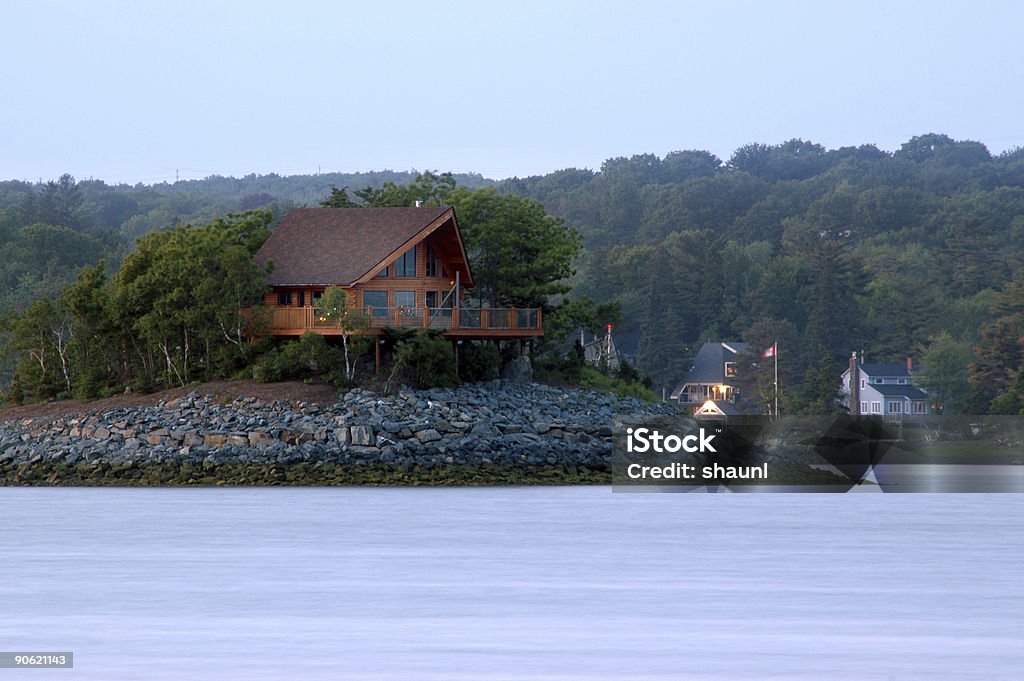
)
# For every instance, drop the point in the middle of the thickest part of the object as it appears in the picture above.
(403, 267)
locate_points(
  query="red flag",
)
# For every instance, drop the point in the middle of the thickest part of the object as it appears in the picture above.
(769, 352)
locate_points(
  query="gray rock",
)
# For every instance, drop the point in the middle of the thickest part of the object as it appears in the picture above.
(428, 435)
(361, 436)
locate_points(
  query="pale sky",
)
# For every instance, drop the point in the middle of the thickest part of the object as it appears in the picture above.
(137, 91)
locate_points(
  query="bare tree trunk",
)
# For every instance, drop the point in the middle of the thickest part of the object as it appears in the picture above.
(349, 369)
(62, 347)
(170, 363)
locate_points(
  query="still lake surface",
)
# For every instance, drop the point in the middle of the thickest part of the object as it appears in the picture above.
(511, 583)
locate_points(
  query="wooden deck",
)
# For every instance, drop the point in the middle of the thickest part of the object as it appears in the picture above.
(460, 323)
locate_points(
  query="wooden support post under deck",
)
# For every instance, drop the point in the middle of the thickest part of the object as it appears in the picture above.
(376, 345)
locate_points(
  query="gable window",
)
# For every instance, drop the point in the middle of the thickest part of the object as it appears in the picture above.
(730, 369)
(433, 263)
(383, 272)
(405, 266)
(862, 384)
(377, 301)
(284, 298)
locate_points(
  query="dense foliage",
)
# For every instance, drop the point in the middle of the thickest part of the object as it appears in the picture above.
(917, 252)
(171, 314)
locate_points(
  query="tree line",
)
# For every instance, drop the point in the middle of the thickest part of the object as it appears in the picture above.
(916, 252)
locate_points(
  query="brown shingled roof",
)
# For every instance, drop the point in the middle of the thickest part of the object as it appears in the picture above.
(338, 246)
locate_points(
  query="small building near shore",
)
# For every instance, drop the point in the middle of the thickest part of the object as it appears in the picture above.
(712, 376)
(883, 389)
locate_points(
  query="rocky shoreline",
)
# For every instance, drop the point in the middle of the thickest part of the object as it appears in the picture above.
(517, 432)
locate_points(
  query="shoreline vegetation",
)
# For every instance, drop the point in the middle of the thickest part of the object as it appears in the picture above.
(817, 251)
(302, 474)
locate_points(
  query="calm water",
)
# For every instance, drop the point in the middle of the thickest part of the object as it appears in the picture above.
(504, 584)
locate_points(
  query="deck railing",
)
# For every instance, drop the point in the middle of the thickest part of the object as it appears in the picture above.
(477, 319)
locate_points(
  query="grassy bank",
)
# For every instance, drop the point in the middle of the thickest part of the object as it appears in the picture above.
(174, 474)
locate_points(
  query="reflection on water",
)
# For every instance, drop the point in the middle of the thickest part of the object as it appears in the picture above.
(511, 583)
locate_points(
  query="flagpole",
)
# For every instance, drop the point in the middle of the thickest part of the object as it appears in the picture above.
(775, 353)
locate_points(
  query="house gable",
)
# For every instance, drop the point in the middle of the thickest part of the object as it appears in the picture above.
(710, 371)
(347, 246)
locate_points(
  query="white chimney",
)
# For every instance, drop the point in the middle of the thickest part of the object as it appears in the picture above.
(419, 204)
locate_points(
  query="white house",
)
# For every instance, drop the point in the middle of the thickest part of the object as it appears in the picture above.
(711, 377)
(886, 389)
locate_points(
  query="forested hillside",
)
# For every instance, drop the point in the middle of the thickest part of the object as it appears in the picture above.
(917, 252)
(50, 230)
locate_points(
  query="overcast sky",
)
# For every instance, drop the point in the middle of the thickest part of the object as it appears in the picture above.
(137, 91)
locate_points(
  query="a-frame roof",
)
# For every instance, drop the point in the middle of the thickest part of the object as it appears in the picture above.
(346, 246)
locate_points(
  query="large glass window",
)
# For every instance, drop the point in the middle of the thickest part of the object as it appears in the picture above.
(406, 265)
(405, 299)
(284, 298)
(378, 300)
(433, 263)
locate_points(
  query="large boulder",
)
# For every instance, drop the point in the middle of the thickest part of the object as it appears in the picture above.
(519, 370)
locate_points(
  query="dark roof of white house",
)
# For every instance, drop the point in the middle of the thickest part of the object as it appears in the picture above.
(885, 370)
(709, 364)
(907, 391)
